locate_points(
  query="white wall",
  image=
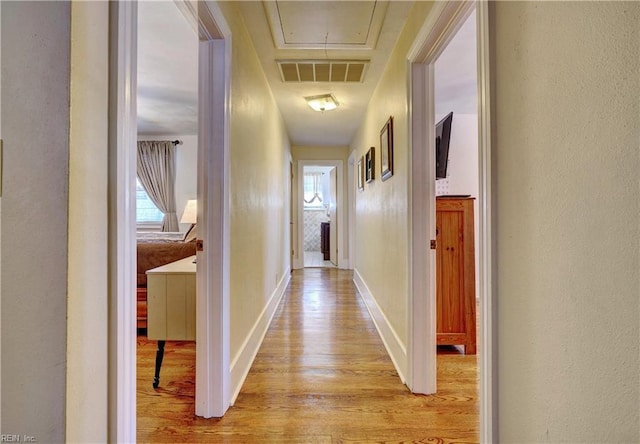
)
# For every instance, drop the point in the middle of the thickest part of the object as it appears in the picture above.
(186, 169)
(567, 237)
(455, 90)
(462, 168)
(35, 122)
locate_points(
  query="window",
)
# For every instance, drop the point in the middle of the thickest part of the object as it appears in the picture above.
(313, 190)
(146, 211)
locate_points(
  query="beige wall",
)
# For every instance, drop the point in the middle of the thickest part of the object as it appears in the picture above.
(566, 171)
(320, 153)
(35, 122)
(382, 213)
(259, 176)
(87, 304)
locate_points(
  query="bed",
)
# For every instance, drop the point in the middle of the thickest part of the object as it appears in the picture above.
(153, 250)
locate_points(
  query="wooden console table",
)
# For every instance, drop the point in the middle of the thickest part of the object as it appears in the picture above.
(171, 306)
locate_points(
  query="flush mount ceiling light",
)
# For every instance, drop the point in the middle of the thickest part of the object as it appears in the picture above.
(323, 102)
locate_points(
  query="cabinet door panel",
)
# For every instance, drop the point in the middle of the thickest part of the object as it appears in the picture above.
(176, 307)
(451, 313)
(156, 306)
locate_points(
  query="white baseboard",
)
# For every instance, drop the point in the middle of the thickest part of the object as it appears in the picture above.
(396, 349)
(241, 363)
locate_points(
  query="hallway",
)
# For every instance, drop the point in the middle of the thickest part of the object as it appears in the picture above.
(321, 375)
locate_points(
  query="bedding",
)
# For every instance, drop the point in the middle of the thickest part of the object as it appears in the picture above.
(156, 249)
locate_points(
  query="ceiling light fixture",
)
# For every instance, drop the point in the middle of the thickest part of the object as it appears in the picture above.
(323, 102)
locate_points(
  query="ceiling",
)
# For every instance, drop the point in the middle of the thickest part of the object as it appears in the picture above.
(167, 71)
(455, 73)
(305, 32)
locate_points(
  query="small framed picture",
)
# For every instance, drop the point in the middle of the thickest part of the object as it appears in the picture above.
(369, 164)
(361, 173)
(386, 150)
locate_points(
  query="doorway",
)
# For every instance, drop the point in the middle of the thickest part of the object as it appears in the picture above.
(320, 202)
(456, 121)
(167, 123)
(440, 27)
(212, 324)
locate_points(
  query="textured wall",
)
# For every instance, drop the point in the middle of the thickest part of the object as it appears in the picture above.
(312, 221)
(567, 119)
(35, 129)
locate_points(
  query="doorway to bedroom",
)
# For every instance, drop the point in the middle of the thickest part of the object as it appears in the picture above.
(166, 198)
(457, 196)
(446, 23)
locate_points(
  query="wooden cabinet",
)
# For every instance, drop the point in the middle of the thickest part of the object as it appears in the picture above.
(325, 243)
(455, 273)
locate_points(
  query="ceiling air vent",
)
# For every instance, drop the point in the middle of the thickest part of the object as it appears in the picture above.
(322, 70)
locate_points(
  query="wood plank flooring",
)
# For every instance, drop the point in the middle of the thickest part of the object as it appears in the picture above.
(322, 375)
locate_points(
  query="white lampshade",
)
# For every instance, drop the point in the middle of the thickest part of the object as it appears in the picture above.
(190, 213)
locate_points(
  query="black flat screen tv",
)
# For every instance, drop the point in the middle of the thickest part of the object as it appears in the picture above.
(443, 135)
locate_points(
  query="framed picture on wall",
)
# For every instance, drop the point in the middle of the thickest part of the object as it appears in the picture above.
(361, 173)
(369, 161)
(386, 150)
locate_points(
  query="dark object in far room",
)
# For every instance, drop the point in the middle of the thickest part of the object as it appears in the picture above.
(324, 241)
(443, 135)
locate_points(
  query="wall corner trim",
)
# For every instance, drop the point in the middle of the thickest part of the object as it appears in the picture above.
(396, 349)
(241, 363)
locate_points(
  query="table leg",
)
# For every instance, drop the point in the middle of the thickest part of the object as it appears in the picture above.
(159, 356)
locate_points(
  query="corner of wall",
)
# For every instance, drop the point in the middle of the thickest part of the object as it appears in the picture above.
(242, 361)
(392, 342)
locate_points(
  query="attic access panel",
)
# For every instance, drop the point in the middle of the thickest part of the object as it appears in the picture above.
(326, 24)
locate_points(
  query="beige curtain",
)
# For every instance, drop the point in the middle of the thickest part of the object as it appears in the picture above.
(157, 174)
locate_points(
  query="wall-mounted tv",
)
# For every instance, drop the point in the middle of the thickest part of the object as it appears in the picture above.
(443, 135)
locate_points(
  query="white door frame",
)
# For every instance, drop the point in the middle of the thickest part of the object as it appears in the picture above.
(213, 368)
(351, 212)
(441, 25)
(341, 211)
(123, 21)
(212, 357)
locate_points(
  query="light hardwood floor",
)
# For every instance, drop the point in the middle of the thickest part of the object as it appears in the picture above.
(322, 375)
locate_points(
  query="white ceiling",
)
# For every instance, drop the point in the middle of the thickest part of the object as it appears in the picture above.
(167, 71)
(340, 23)
(280, 30)
(455, 71)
